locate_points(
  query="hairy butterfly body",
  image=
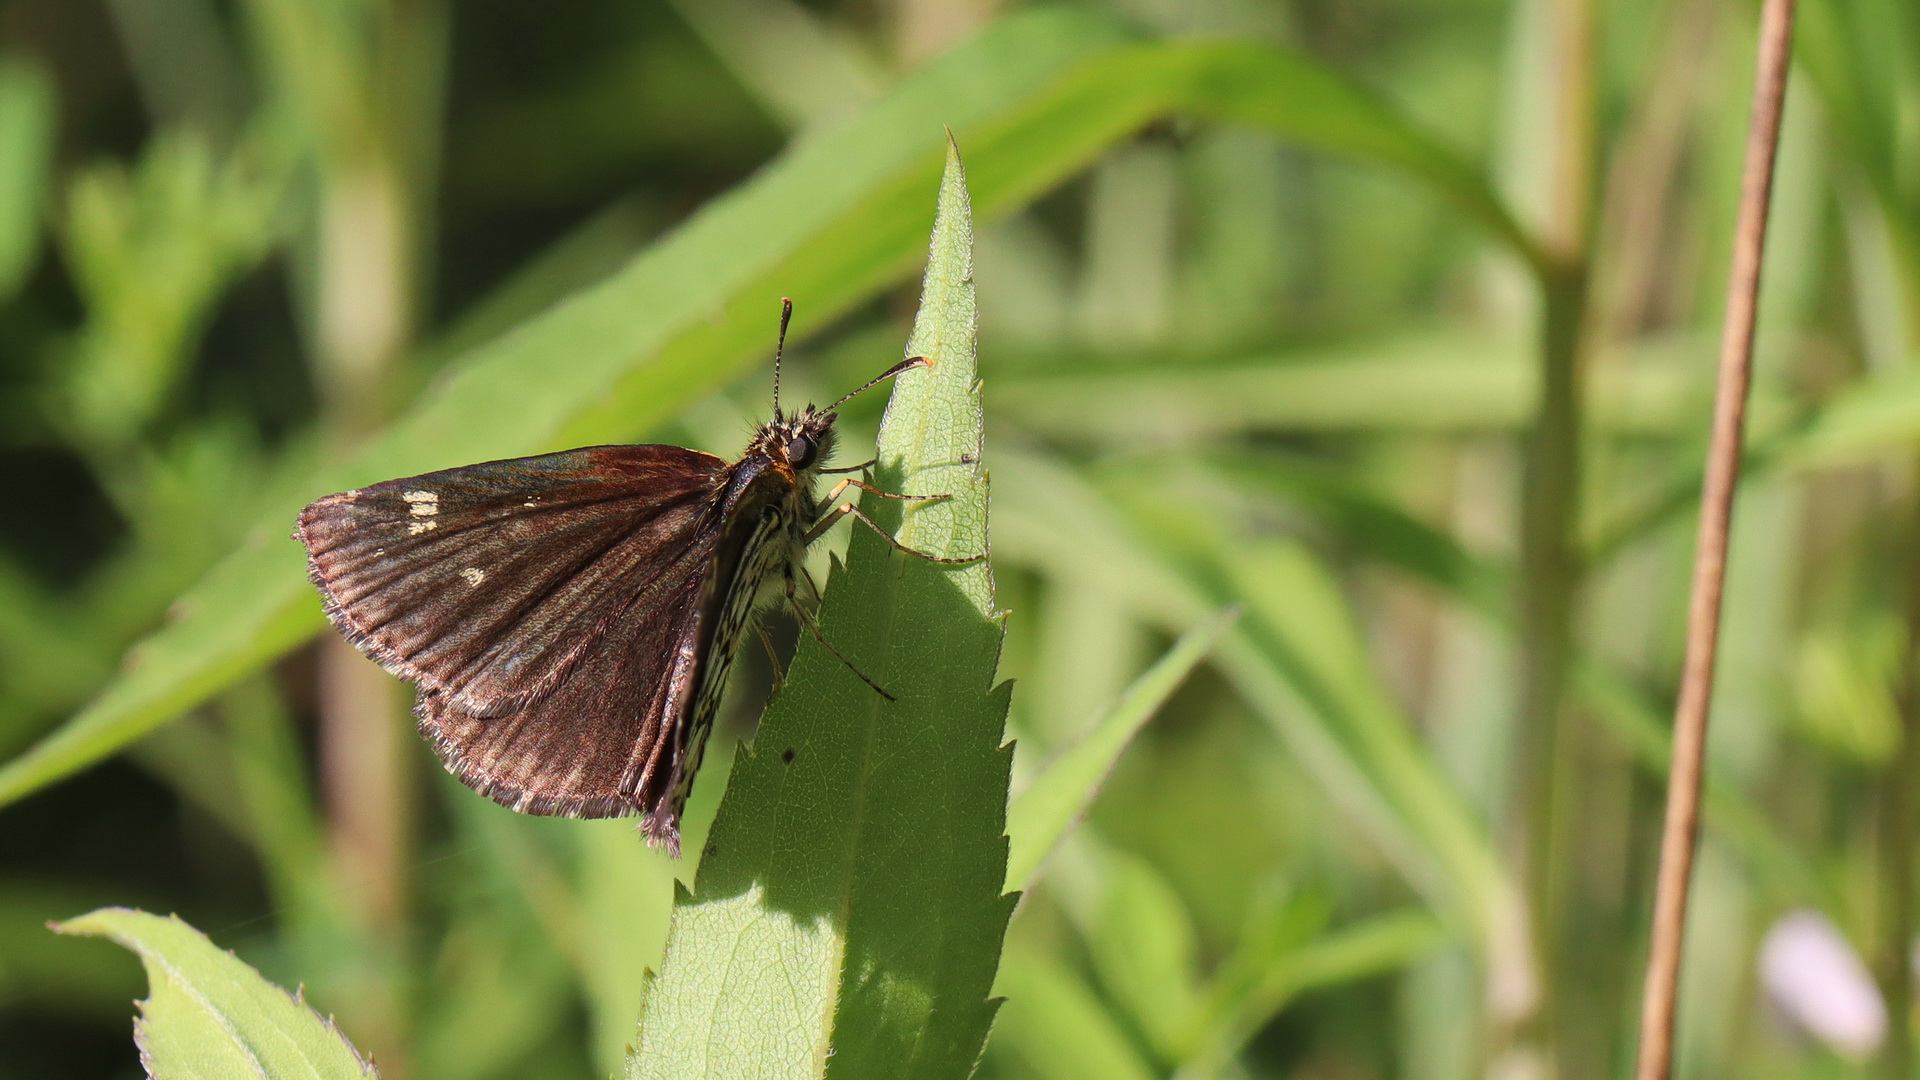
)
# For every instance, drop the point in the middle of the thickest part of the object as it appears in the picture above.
(570, 619)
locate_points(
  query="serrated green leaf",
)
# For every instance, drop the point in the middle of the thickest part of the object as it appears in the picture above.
(208, 1016)
(1060, 795)
(848, 914)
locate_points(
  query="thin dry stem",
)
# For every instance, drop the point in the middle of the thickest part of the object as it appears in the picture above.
(1710, 556)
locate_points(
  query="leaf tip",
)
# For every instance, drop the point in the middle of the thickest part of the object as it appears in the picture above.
(90, 924)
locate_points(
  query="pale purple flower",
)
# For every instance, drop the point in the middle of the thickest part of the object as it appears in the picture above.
(1819, 983)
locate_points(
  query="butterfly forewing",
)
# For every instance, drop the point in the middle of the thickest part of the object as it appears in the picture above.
(488, 584)
(570, 618)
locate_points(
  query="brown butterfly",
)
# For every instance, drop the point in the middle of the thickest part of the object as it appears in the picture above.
(570, 619)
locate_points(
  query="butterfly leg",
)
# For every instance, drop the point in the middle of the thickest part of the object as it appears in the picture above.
(813, 586)
(813, 627)
(871, 490)
(830, 517)
(773, 656)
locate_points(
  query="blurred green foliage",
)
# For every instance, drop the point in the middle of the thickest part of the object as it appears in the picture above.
(1271, 295)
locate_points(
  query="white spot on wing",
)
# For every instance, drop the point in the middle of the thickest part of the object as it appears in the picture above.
(473, 576)
(419, 527)
(422, 503)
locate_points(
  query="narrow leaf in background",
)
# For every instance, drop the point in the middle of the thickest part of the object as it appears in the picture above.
(848, 914)
(1060, 795)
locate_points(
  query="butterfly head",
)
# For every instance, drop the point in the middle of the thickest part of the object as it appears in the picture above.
(805, 439)
(802, 442)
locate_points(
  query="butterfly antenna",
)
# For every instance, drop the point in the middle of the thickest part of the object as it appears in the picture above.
(786, 316)
(908, 364)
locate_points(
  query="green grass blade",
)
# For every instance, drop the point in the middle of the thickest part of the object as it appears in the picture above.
(848, 912)
(1059, 796)
(208, 1016)
(626, 897)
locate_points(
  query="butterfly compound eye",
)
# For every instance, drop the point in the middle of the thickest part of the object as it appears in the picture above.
(801, 451)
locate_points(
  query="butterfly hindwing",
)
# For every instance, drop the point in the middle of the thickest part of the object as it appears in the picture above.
(487, 584)
(577, 750)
